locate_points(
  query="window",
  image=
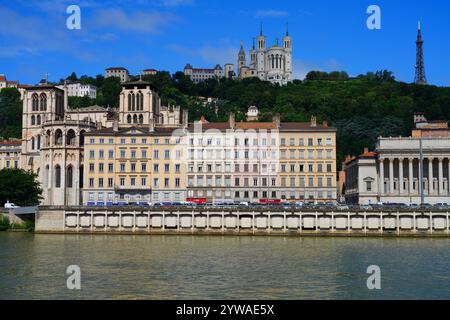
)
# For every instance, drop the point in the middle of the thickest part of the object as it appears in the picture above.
(91, 182)
(122, 181)
(110, 182)
(111, 154)
(369, 185)
(110, 167)
(122, 154)
(133, 154)
(91, 154)
(144, 167)
(69, 177)
(177, 182)
(100, 182)
(166, 182)
(100, 167)
(143, 181)
(156, 168)
(156, 154)
(133, 182)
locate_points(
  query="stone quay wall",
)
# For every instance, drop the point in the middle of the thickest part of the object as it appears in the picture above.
(240, 222)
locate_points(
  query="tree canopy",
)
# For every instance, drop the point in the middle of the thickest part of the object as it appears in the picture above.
(19, 187)
(361, 108)
(10, 113)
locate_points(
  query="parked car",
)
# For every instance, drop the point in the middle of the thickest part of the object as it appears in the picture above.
(426, 206)
(441, 206)
(10, 205)
(342, 207)
(365, 207)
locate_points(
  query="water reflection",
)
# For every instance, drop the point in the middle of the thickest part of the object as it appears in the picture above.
(220, 267)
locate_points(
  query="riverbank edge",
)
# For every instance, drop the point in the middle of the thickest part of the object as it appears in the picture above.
(251, 234)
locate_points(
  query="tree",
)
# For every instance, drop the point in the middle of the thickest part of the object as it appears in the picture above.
(10, 113)
(108, 94)
(20, 187)
(73, 77)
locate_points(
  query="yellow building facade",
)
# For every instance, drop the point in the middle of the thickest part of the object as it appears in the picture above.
(133, 165)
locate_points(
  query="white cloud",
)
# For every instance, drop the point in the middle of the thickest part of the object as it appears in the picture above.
(208, 54)
(271, 13)
(138, 21)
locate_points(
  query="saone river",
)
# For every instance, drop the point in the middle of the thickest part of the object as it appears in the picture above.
(188, 267)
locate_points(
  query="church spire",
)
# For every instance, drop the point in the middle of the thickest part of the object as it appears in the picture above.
(287, 29)
(261, 30)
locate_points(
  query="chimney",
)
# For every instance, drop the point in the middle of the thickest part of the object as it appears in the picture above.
(116, 125)
(325, 124)
(277, 120)
(313, 122)
(366, 150)
(231, 120)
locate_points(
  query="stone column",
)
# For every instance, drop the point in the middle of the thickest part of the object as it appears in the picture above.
(411, 175)
(381, 176)
(430, 176)
(391, 175)
(441, 177)
(448, 180)
(400, 175)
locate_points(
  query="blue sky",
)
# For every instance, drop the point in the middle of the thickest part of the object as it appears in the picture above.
(166, 34)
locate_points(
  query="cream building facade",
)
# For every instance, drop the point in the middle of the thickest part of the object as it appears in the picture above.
(10, 151)
(118, 72)
(138, 158)
(198, 75)
(261, 161)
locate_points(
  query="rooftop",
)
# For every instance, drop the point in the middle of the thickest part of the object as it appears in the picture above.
(117, 68)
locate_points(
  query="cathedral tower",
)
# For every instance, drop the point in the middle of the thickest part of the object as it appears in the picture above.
(287, 45)
(139, 105)
(261, 58)
(241, 58)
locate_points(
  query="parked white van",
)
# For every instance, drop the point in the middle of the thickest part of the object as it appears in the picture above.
(9, 205)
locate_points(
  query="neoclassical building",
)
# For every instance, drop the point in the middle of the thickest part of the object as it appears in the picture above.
(392, 174)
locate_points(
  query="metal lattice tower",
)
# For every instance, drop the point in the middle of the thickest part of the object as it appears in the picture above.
(420, 65)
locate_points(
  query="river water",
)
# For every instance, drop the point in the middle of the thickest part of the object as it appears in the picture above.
(219, 267)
